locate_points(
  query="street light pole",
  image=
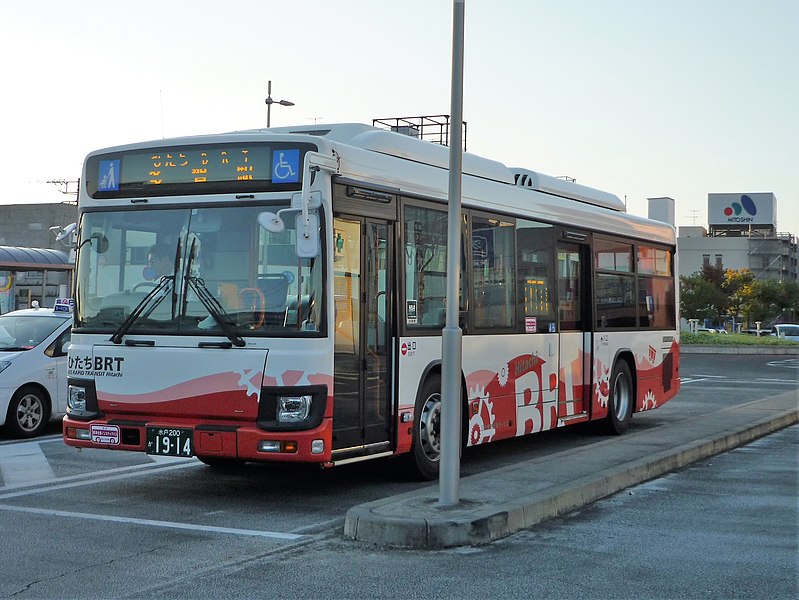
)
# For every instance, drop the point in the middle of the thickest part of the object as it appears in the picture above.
(451, 342)
(270, 102)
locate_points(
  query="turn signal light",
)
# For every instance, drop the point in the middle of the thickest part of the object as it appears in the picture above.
(74, 433)
(289, 447)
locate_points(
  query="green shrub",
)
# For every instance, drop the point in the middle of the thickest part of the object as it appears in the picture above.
(732, 339)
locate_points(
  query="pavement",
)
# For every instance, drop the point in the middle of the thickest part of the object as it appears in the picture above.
(498, 503)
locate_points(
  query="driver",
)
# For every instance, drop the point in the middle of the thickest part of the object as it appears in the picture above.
(159, 262)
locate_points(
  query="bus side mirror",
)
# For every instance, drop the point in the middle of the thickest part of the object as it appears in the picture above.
(307, 228)
(98, 241)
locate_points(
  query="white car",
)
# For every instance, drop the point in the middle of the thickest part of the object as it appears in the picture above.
(787, 331)
(33, 369)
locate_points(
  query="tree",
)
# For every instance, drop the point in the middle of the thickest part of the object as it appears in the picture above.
(769, 300)
(700, 298)
(715, 294)
(738, 287)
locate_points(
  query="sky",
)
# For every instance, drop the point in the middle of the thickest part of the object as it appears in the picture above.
(639, 98)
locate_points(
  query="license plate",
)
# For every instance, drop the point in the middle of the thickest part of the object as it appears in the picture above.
(169, 441)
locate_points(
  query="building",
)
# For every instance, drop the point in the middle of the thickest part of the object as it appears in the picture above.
(742, 234)
(33, 264)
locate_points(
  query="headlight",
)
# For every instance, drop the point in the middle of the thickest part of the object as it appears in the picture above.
(293, 409)
(76, 399)
(4, 364)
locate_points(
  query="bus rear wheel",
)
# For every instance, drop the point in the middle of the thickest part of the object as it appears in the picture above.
(620, 402)
(425, 455)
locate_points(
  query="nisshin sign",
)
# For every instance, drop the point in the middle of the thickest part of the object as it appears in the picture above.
(742, 209)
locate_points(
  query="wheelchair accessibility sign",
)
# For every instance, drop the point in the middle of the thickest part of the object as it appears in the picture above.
(286, 166)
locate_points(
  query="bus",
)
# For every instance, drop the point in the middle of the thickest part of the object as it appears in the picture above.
(279, 295)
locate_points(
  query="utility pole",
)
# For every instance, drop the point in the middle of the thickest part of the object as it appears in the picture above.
(66, 190)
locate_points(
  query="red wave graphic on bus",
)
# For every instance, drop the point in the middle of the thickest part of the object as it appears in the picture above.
(246, 381)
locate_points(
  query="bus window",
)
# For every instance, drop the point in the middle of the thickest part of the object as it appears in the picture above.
(611, 255)
(570, 293)
(615, 284)
(207, 259)
(425, 266)
(534, 247)
(615, 305)
(493, 266)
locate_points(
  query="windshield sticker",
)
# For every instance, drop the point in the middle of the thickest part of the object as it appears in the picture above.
(410, 311)
(530, 324)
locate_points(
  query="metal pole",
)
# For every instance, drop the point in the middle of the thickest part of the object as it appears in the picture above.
(451, 343)
(44, 288)
(269, 103)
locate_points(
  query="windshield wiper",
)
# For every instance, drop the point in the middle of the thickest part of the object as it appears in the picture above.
(215, 309)
(139, 309)
(175, 269)
(207, 299)
(186, 277)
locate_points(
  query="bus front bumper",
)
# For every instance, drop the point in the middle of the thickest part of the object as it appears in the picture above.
(207, 440)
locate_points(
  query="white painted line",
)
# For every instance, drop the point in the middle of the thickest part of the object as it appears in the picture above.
(89, 475)
(152, 523)
(96, 480)
(24, 463)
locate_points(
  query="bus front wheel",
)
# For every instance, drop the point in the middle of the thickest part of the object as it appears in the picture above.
(620, 402)
(425, 455)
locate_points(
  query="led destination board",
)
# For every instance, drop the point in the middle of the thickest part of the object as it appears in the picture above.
(208, 169)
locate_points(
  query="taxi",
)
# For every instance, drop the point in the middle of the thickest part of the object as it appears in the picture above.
(33, 368)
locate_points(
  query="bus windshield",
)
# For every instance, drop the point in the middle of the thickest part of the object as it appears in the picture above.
(195, 271)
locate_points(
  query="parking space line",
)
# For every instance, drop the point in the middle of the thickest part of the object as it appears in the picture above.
(95, 480)
(24, 463)
(86, 475)
(153, 523)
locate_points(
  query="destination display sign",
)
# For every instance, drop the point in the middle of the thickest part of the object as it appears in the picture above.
(195, 169)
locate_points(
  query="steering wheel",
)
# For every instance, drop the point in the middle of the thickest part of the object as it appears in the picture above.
(253, 299)
(143, 284)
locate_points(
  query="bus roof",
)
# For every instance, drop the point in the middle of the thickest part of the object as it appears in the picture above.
(371, 153)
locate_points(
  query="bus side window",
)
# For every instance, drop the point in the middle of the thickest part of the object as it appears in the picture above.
(534, 248)
(493, 266)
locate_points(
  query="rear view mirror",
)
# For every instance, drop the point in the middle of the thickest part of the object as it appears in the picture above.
(98, 241)
(307, 235)
(102, 243)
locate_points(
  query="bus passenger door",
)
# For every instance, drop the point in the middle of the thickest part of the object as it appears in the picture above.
(363, 317)
(574, 326)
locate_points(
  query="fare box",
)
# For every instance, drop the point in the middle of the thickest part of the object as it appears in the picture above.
(105, 434)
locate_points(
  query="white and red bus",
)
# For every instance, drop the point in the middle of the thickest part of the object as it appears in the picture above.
(278, 295)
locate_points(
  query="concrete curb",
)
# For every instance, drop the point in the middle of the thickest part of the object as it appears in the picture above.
(414, 519)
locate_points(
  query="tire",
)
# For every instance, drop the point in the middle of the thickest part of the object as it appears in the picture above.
(28, 413)
(425, 456)
(621, 399)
